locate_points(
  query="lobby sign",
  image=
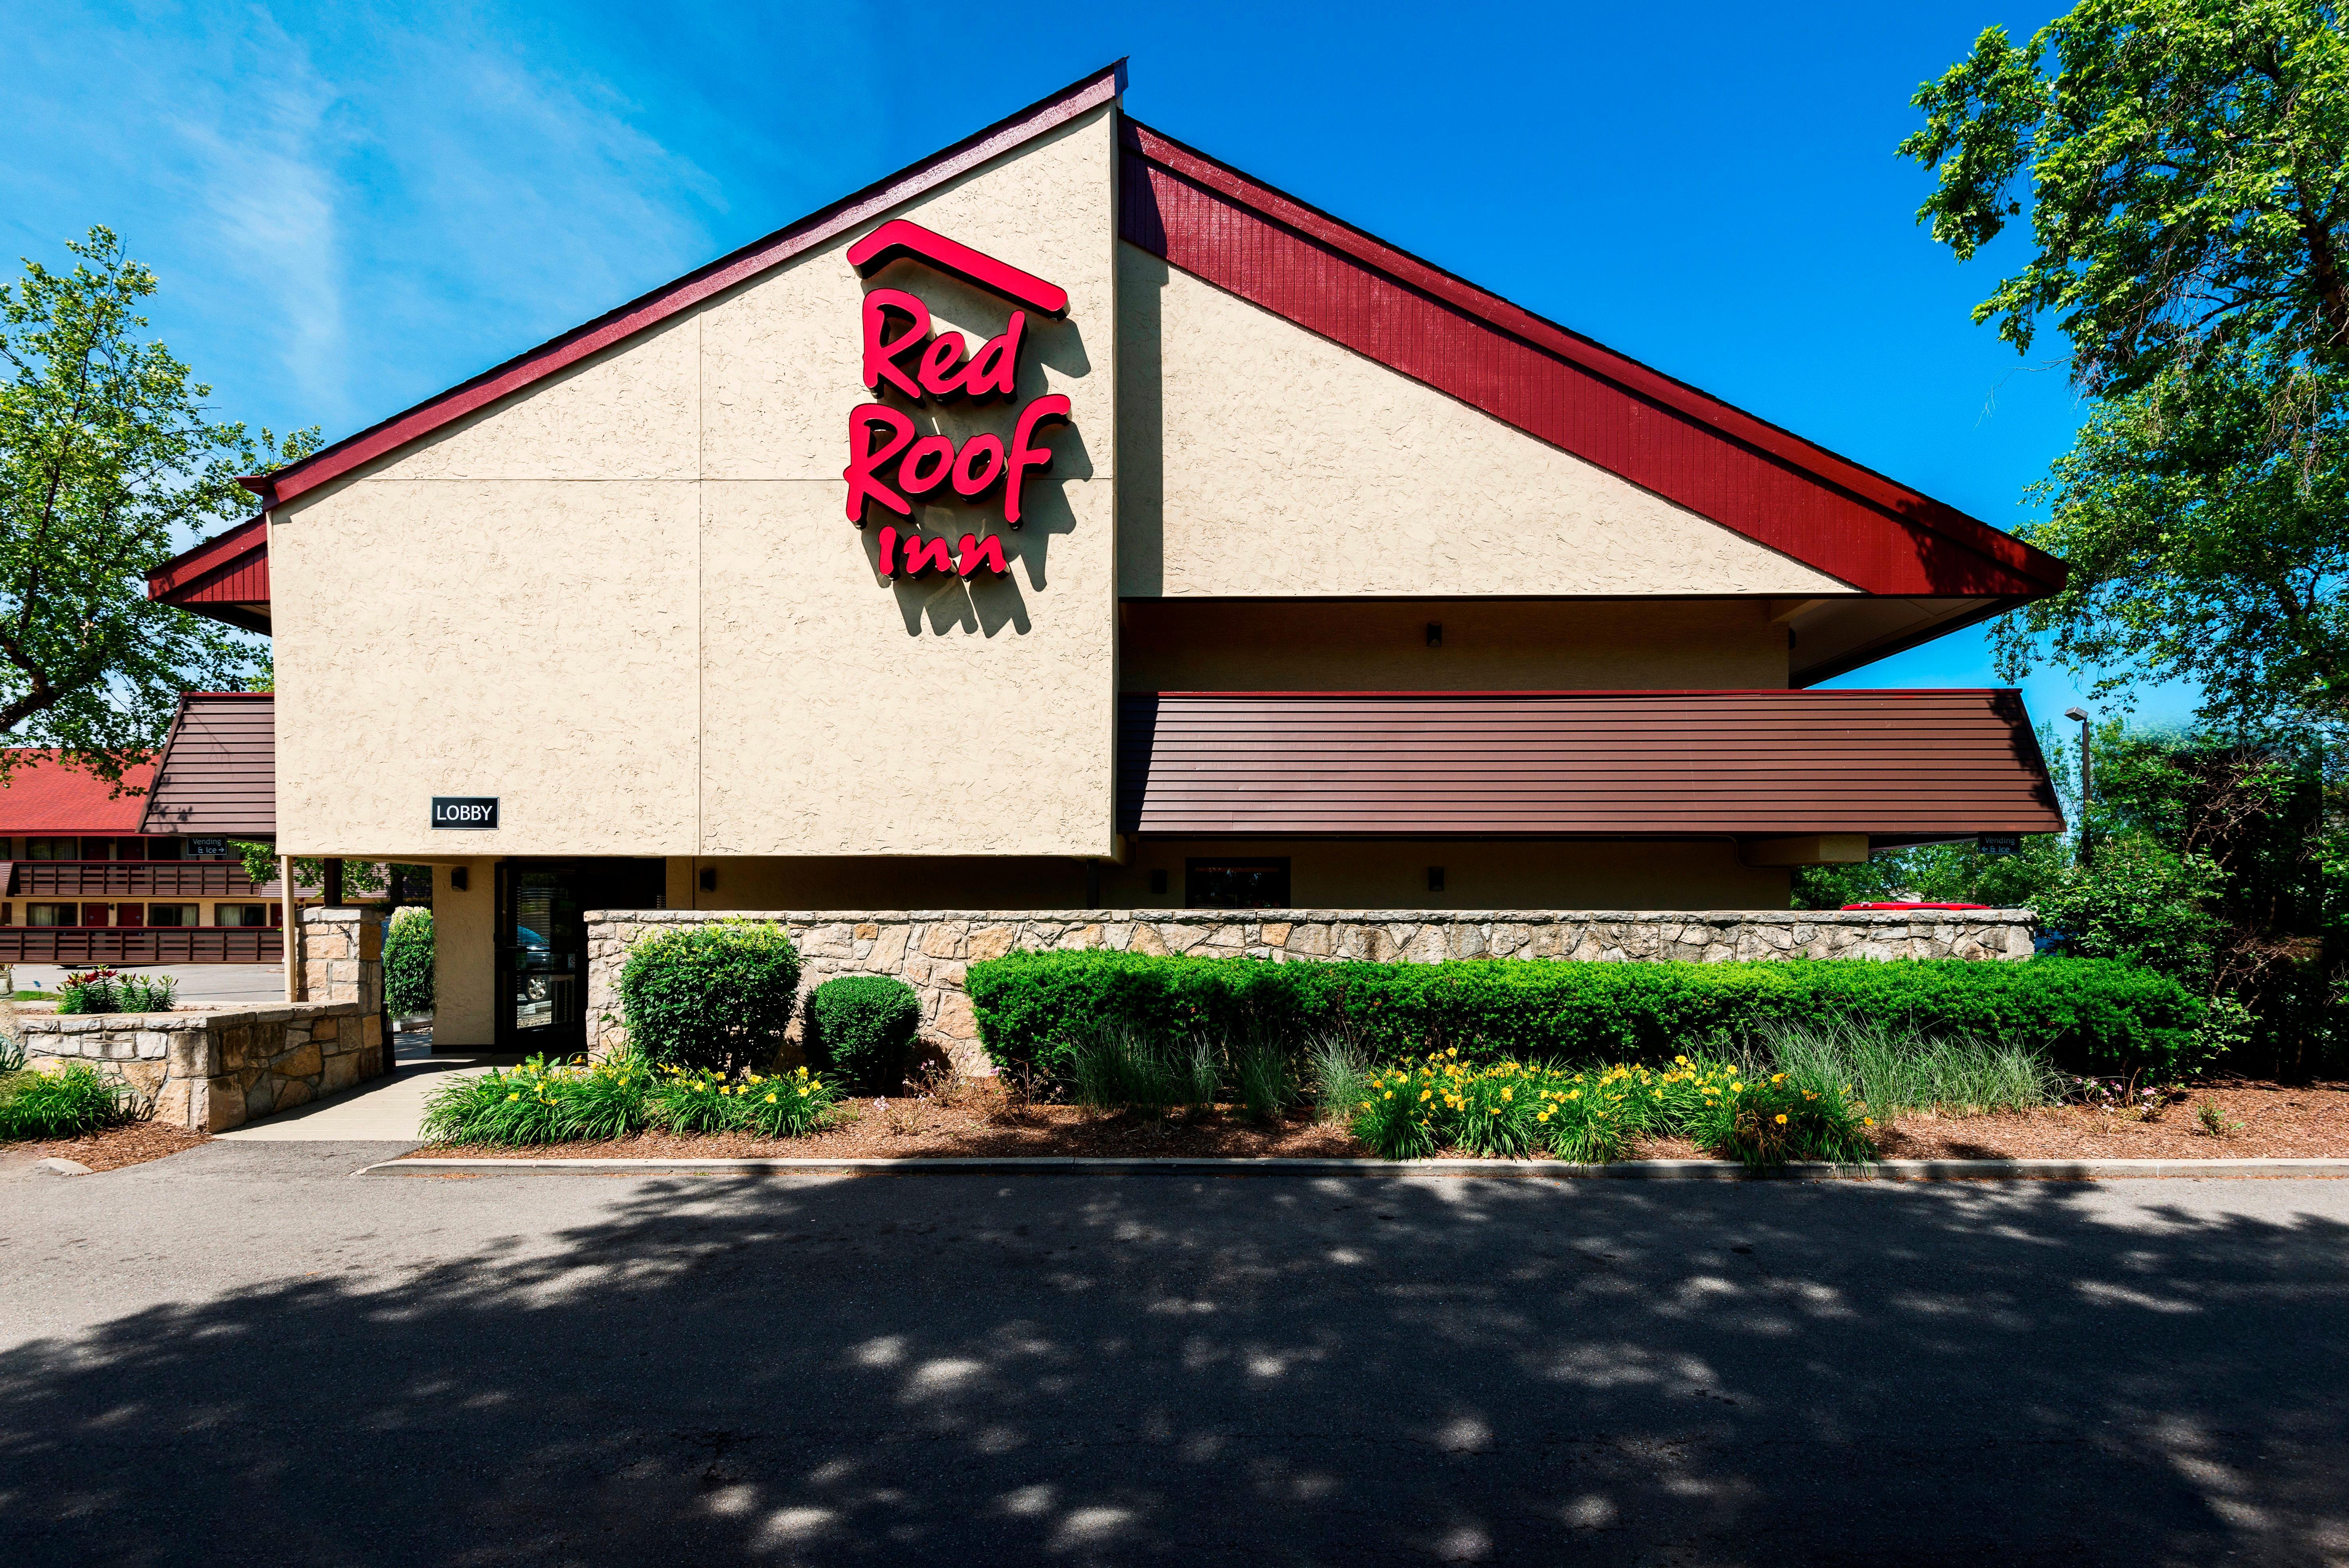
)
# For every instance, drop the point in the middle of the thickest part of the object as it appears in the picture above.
(891, 464)
(472, 812)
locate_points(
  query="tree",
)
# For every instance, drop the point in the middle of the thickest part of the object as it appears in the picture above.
(109, 458)
(2184, 165)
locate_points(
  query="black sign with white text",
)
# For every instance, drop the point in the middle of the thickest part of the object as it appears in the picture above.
(476, 811)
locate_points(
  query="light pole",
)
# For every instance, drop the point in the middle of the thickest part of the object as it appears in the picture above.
(2081, 714)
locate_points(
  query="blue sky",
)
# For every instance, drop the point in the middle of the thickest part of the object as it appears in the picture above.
(352, 206)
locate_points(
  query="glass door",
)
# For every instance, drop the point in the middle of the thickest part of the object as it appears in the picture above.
(542, 949)
(542, 943)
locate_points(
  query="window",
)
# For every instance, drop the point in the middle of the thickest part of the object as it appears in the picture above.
(175, 914)
(53, 849)
(7, 849)
(51, 914)
(1236, 884)
(240, 914)
(162, 848)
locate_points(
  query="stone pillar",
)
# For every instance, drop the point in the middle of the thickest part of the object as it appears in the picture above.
(342, 960)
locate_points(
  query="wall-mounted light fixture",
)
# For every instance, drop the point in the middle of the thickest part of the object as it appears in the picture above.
(1435, 634)
(709, 878)
(456, 878)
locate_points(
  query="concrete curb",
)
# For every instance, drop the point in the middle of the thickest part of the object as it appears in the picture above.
(1537, 1169)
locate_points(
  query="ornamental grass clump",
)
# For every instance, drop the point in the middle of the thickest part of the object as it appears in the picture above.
(1121, 1069)
(63, 1103)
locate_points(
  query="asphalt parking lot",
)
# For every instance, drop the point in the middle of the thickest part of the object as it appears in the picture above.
(241, 1354)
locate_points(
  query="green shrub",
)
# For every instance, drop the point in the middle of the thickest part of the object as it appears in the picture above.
(407, 962)
(863, 1026)
(714, 997)
(2085, 1014)
(73, 1099)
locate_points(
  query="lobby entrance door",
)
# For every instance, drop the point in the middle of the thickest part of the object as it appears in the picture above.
(542, 970)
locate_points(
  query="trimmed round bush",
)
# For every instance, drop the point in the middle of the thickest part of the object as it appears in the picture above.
(862, 1026)
(407, 962)
(711, 997)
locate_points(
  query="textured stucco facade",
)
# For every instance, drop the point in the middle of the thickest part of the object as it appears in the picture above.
(628, 604)
(1263, 461)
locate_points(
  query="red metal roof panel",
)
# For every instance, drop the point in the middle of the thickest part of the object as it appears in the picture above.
(1573, 763)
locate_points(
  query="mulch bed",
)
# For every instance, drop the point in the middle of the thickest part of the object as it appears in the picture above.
(2276, 1122)
(979, 1122)
(111, 1150)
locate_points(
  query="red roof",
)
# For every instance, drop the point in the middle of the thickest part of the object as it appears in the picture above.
(1900, 766)
(46, 795)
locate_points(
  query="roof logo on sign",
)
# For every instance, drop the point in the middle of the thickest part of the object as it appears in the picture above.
(899, 239)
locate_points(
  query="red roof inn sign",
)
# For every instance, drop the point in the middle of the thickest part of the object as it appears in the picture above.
(890, 462)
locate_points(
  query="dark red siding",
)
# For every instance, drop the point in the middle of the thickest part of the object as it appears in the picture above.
(219, 576)
(219, 770)
(1891, 763)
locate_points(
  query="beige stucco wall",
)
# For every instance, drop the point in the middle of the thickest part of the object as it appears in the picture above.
(1262, 460)
(1491, 874)
(628, 603)
(1365, 875)
(902, 882)
(1488, 645)
(464, 957)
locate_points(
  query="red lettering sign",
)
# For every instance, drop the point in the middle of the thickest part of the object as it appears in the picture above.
(890, 462)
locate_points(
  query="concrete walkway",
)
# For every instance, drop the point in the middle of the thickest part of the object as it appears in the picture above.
(382, 1109)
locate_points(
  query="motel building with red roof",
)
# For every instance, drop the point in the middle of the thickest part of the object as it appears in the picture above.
(94, 875)
(1073, 521)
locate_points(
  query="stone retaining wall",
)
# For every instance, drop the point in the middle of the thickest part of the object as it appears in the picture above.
(930, 948)
(209, 1072)
(212, 1070)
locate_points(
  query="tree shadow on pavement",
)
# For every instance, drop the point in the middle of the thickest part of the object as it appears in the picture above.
(764, 1369)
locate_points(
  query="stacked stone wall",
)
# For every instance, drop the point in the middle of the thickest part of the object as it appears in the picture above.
(932, 950)
(209, 1072)
(212, 1070)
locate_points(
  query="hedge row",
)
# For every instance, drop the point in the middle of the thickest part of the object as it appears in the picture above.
(2091, 1015)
